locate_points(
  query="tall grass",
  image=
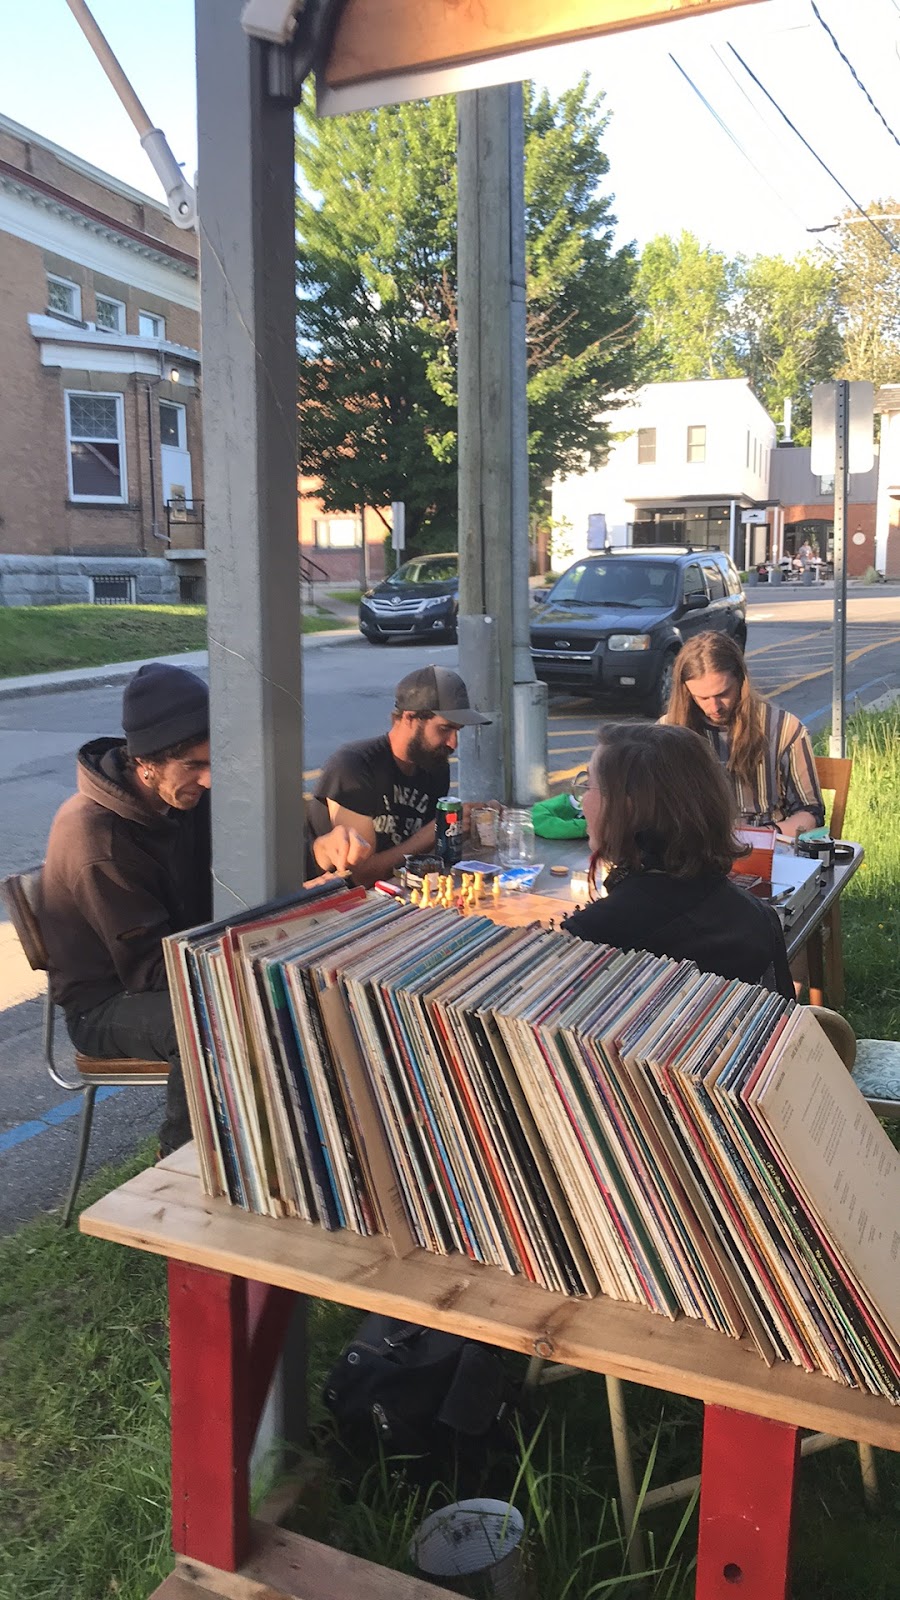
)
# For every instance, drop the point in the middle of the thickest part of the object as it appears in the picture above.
(871, 903)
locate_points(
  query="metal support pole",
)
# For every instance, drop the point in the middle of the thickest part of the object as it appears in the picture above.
(837, 742)
(507, 760)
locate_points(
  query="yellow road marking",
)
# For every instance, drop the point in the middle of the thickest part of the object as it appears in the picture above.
(821, 672)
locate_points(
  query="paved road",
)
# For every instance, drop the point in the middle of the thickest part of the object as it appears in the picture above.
(347, 693)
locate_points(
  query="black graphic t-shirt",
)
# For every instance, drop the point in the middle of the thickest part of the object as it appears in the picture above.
(364, 777)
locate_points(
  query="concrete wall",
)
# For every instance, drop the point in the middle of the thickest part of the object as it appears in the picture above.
(65, 580)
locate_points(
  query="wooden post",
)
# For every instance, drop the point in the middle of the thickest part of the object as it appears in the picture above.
(211, 1426)
(746, 1506)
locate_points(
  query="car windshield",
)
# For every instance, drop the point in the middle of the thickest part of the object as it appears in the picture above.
(432, 569)
(617, 583)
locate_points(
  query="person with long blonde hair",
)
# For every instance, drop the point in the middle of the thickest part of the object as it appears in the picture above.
(765, 750)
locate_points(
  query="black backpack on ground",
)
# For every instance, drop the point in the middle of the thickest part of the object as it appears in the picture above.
(417, 1392)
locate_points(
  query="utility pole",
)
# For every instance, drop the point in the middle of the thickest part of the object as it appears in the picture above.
(837, 742)
(508, 760)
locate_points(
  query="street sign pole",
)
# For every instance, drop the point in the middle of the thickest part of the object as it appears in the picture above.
(837, 742)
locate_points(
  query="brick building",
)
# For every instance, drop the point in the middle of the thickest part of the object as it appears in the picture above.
(333, 542)
(100, 426)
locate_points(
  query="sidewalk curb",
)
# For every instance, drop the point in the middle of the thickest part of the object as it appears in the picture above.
(116, 672)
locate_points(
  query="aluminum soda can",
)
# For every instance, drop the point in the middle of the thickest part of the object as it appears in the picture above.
(449, 831)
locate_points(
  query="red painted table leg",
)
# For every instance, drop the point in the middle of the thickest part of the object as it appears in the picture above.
(211, 1415)
(746, 1504)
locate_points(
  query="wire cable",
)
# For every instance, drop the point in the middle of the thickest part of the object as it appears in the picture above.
(822, 243)
(794, 129)
(733, 136)
(853, 72)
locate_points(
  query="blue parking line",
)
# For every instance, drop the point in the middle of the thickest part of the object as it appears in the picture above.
(858, 689)
(57, 1114)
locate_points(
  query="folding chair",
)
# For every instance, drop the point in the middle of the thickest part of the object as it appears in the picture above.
(833, 773)
(21, 895)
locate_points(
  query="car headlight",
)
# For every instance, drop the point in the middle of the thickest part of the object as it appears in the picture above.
(433, 605)
(628, 641)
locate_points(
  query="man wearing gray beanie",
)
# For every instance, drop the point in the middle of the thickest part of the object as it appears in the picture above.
(128, 862)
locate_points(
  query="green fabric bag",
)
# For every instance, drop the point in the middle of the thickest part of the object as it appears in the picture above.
(560, 817)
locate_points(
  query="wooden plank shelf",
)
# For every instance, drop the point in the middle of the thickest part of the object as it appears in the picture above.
(285, 1566)
(164, 1211)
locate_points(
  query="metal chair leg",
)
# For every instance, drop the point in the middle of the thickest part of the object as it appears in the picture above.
(84, 1134)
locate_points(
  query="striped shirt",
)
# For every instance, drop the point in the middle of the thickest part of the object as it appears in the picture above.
(785, 780)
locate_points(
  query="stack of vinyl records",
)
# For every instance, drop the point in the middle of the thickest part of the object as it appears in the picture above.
(594, 1120)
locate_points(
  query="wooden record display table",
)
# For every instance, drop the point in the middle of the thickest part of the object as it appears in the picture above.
(232, 1279)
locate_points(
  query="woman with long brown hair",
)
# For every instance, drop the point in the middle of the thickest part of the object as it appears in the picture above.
(669, 856)
(765, 750)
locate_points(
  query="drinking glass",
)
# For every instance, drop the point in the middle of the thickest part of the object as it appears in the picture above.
(516, 838)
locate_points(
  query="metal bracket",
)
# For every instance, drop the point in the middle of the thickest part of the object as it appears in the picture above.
(288, 65)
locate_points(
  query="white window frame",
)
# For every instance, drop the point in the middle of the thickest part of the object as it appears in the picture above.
(322, 527)
(182, 425)
(696, 444)
(97, 499)
(120, 313)
(155, 317)
(66, 283)
(646, 442)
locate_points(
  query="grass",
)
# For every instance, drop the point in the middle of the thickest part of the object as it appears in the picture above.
(83, 1415)
(349, 596)
(54, 638)
(84, 1463)
(870, 906)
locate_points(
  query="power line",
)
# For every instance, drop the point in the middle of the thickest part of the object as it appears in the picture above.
(853, 72)
(794, 129)
(823, 244)
(733, 136)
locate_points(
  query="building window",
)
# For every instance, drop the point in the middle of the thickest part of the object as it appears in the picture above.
(110, 314)
(112, 589)
(696, 444)
(95, 434)
(172, 425)
(63, 298)
(337, 533)
(646, 446)
(150, 326)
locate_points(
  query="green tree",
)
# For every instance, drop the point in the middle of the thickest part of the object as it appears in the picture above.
(376, 308)
(783, 330)
(582, 321)
(377, 303)
(868, 271)
(683, 289)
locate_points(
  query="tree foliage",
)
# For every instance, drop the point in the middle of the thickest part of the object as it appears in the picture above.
(868, 268)
(377, 302)
(783, 331)
(773, 321)
(683, 290)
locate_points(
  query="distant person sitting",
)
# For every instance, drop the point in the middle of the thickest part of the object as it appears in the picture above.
(668, 854)
(128, 862)
(387, 788)
(765, 750)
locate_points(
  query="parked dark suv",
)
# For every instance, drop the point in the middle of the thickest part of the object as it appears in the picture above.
(613, 624)
(419, 600)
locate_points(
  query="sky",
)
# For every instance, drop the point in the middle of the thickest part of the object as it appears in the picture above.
(672, 163)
